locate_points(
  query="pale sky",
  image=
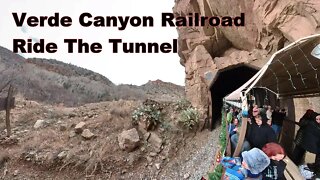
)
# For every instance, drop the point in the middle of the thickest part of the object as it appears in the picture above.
(120, 68)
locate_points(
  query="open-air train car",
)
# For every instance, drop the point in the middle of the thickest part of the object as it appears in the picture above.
(291, 72)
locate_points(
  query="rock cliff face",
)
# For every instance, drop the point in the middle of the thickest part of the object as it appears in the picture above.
(207, 51)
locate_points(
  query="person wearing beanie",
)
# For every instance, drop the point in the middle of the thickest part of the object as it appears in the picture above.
(255, 161)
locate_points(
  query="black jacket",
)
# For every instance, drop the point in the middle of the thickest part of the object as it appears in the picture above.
(310, 139)
(275, 171)
(258, 136)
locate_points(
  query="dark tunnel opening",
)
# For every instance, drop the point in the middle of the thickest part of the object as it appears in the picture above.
(226, 82)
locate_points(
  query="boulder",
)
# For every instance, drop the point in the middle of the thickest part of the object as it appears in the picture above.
(79, 127)
(129, 140)
(155, 141)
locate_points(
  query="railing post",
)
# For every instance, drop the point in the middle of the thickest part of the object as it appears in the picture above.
(8, 108)
(242, 135)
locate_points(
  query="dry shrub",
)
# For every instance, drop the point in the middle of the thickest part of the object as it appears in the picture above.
(127, 92)
(88, 157)
(120, 111)
(44, 139)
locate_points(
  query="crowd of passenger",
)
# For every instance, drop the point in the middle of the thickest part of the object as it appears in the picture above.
(261, 154)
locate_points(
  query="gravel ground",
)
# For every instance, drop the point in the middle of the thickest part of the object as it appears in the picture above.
(203, 159)
(197, 164)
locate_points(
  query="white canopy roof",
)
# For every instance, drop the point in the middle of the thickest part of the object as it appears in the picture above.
(291, 71)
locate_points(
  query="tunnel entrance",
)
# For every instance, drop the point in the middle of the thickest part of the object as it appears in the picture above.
(227, 81)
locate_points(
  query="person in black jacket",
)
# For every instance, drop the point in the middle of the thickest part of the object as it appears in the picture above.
(307, 136)
(316, 164)
(260, 133)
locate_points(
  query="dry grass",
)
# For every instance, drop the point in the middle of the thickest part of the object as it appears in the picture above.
(98, 157)
(122, 112)
(89, 156)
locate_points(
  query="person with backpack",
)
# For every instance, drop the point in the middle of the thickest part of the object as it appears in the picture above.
(253, 163)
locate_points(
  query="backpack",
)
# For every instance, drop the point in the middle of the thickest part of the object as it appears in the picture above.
(232, 170)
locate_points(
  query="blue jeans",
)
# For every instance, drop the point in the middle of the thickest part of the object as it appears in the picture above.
(276, 129)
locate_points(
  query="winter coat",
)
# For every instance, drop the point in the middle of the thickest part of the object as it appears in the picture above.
(258, 136)
(310, 137)
(275, 171)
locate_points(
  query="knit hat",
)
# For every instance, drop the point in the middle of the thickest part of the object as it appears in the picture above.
(256, 160)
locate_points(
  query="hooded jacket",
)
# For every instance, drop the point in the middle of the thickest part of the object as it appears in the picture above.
(310, 139)
(258, 136)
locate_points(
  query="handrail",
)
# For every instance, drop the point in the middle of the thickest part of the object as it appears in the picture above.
(242, 134)
(291, 121)
(292, 171)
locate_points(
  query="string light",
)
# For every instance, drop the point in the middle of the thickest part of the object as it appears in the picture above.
(315, 69)
(297, 62)
(290, 78)
(277, 80)
(298, 73)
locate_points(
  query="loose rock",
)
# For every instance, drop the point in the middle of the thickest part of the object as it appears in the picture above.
(129, 140)
(157, 165)
(186, 176)
(87, 134)
(155, 141)
(79, 127)
(40, 123)
(153, 154)
(62, 154)
(15, 173)
(149, 159)
(72, 134)
(63, 127)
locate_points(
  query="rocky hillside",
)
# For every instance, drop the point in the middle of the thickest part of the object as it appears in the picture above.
(54, 82)
(101, 141)
(156, 90)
